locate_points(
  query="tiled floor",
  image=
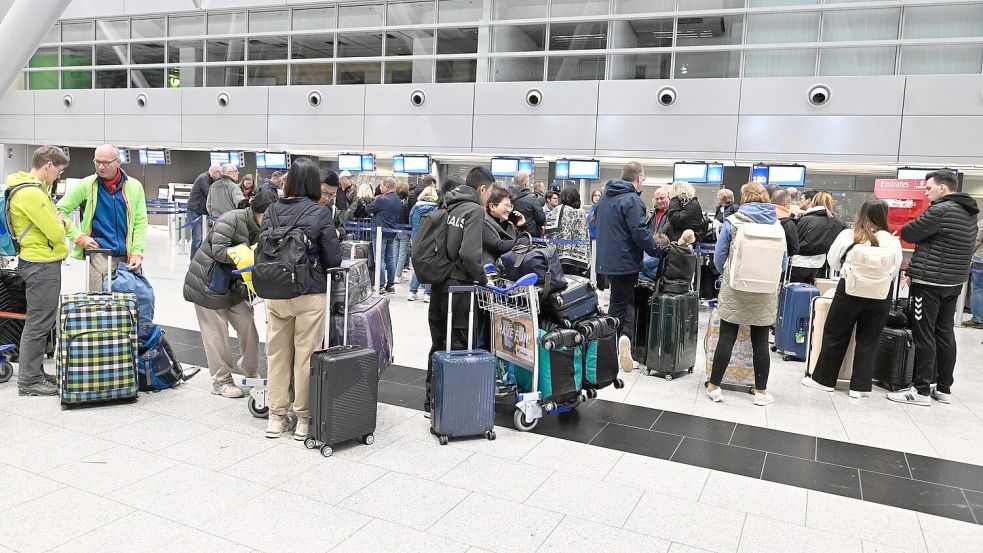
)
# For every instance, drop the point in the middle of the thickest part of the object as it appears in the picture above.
(183, 470)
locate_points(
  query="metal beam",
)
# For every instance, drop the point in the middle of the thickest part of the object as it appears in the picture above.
(23, 28)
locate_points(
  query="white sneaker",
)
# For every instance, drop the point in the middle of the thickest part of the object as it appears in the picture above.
(808, 382)
(910, 396)
(763, 399)
(941, 397)
(715, 395)
(411, 296)
(426, 298)
(858, 395)
(625, 361)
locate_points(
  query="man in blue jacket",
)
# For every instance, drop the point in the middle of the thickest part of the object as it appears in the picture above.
(622, 237)
(385, 213)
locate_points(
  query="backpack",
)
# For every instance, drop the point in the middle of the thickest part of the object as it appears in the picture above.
(677, 270)
(9, 244)
(284, 268)
(871, 271)
(430, 261)
(158, 368)
(135, 283)
(524, 259)
(755, 259)
(705, 232)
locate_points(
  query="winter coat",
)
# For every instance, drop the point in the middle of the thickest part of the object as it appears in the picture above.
(791, 231)
(683, 214)
(136, 211)
(465, 228)
(418, 211)
(385, 212)
(839, 260)
(318, 224)
(223, 195)
(45, 241)
(527, 203)
(566, 223)
(622, 235)
(944, 237)
(199, 194)
(497, 237)
(725, 211)
(816, 231)
(232, 229)
(744, 308)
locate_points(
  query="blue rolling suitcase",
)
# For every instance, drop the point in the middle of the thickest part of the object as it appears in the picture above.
(463, 385)
(792, 326)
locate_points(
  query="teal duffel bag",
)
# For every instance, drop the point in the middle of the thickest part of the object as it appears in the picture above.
(560, 367)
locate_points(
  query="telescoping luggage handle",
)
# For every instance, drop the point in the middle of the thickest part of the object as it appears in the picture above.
(96, 253)
(450, 314)
(327, 312)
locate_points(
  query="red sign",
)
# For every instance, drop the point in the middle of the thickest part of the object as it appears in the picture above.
(905, 199)
(899, 189)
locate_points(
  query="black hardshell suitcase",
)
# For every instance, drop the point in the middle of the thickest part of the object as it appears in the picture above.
(600, 353)
(575, 302)
(673, 335)
(344, 390)
(893, 362)
(644, 292)
(356, 249)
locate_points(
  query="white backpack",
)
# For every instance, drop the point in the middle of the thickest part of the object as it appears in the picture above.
(871, 271)
(756, 257)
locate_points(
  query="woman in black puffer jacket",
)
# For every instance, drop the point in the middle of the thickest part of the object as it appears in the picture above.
(817, 229)
(684, 211)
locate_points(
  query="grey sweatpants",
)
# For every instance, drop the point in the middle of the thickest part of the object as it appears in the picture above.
(43, 286)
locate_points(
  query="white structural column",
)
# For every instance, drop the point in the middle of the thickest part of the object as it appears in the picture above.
(22, 30)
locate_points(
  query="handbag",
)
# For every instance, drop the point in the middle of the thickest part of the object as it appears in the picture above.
(220, 278)
(523, 259)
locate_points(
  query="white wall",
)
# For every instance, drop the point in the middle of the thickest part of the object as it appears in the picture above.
(16, 157)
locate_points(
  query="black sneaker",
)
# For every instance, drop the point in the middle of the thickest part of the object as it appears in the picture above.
(43, 388)
(391, 289)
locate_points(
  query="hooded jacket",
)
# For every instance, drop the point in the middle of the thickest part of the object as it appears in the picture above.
(465, 222)
(527, 203)
(944, 237)
(45, 241)
(817, 230)
(683, 213)
(232, 229)
(621, 230)
(497, 238)
(88, 191)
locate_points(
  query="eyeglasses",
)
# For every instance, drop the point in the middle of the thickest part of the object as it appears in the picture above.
(100, 163)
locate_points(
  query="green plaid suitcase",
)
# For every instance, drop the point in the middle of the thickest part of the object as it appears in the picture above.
(97, 347)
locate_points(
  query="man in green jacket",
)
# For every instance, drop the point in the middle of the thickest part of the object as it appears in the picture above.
(115, 216)
(40, 231)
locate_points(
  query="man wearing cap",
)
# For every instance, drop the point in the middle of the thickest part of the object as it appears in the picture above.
(346, 197)
(221, 298)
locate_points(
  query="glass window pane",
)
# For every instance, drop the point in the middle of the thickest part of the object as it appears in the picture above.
(188, 51)
(457, 71)
(359, 45)
(232, 75)
(707, 65)
(409, 43)
(267, 75)
(147, 52)
(641, 66)
(226, 23)
(312, 73)
(711, 30)
(575, 68)
(857, 61)
(410, 12)
(457, 11)
(115, 29)
(517, 69)
(579, 36)
(111, 78)
(186, 25)
(943, 21)
(520, 9)
(185, 76)
(644, 6)
(44, 57)
(54, 34)
(147, 27)
(77, 32)
(269, 21)
(42, 80)
(359, 73)
(314, 19)
(772, 28)
(861, 25)
(642, 33)
(934, 60)
(268, 48)
(519, 38)
(225, 50)
(685, 5)
(76, 79)
(419, 71)
(360, 16)
(312, 47)
(111, 54)
(147, 78)
(457, 41)
(769, 3)
(574, 8)
(779, 63)
(76, 55)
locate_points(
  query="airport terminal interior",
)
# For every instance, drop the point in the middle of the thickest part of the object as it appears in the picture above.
(861, 99)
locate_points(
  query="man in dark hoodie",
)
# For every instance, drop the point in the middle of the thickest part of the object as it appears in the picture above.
(944, 237)
(526, 203)
(623, 236)
(465, 222)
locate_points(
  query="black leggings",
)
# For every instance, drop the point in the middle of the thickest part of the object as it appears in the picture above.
(759, 343)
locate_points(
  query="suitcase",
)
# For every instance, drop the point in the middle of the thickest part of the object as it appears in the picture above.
(560, 368)
(600, 353)
(792, 325)
(357, 285)
(13, 313)
(577, 301)
(344, 390)
(893, 362)
(369, 325)
(740, 370)
(817, 321)
(644, 291)
(463, 385)
(356, 249)
(673, 335)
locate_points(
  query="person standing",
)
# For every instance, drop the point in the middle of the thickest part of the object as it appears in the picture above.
(115, 216)
(426, 203)
(624, 237)
(658, 221)
(499, 232)
(197, 204)
(385, 212)
(273, 184)
(591, 222)
(539, 191)
(346, 196)
(725, 205)
(568, 222)
(528, 204)
(225, 194)
(40, 231)
(817, 228)
(944, 236)
(976, 279)
(783, 201)
(402, 239)
(247, 187)
(684, 211)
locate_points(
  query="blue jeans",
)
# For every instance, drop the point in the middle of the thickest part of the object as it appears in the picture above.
(402, 251)
(195, 220)
(387, 274)
(415, 285)
(976, 299)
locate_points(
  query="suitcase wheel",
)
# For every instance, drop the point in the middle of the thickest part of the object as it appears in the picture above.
(368, 439)
(442, 440)
(522, 423)
(432, 431)
(326, 450)
(690, 370)
(591, 393)
(259, 413)
(490, 435)
(787, 358)
(310, 443)
(6, 371)
(668, 378)
(619, 384)
(774, 348)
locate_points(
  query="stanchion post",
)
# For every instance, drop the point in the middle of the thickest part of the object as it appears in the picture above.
(378, 257)
(593, 261)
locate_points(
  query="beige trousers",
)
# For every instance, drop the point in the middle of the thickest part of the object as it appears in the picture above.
(214, 325)
(294, 329)
(99, 270)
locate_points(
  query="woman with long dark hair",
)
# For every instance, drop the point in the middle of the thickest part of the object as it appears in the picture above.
(867, 313)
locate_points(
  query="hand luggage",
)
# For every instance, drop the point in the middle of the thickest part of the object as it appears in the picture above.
(826, 284)
(356, 249)
(567, 306)
(560, 367)
(894, 359)
(673, 334)
(158, 367)
(644, 294)
(818, 312)
(792, 325)
(369, 325)
(756, 257)
(463, 385)
(600, 358)
(344, 390)
(543, 262)
(678, 268)
(740, 370)
(356, 283)
(707, 287)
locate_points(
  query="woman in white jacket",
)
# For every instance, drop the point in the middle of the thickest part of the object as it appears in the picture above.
(853, 304)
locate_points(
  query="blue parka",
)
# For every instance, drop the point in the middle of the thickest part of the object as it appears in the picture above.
(622, 235)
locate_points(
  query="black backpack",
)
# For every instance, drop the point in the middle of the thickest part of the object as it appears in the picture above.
(284, 267)
(430, 261)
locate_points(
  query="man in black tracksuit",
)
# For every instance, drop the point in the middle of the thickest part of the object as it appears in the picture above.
(944, 237)
(465, 222)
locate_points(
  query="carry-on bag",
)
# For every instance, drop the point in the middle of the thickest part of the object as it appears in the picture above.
(740, 370)
(560, 367)
(462, 384)
(792, 324)
(600, 353)
(344, 389)
(13, 315)
(543, 262)
(673, 334)
(358, 277)
(818, 312)
(567, 306)
(644, 295)
(370, 325)
(356, 249)
(893, 361)
(98, 349)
